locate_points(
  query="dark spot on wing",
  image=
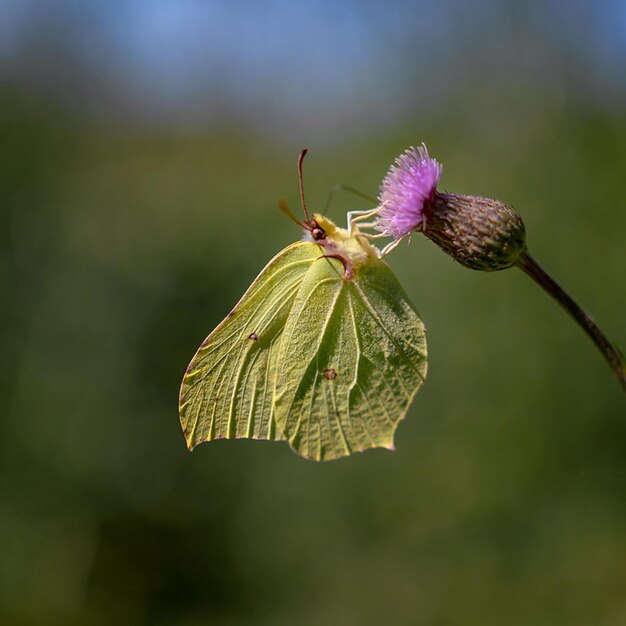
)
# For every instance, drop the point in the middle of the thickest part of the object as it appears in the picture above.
(253, 336)
(330, 373)
(232, 312)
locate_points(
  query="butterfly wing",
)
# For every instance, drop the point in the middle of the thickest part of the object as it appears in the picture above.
(352, 357)
(227, 390)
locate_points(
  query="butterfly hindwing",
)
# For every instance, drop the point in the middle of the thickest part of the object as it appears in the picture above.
(351, 358)
(227, 390)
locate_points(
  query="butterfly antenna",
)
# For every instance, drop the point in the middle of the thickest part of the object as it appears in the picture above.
(337, 188)
(282, 205)
(300, 159)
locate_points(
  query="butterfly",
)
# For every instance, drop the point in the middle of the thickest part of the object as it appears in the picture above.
(324, 350)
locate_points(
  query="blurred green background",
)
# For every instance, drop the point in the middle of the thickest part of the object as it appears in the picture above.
(143, 149)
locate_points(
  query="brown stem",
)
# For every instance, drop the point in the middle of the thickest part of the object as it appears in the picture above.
(610, 352)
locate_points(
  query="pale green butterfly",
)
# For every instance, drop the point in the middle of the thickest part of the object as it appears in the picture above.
(324, 350)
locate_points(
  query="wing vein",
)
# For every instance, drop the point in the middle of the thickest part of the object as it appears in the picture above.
(372, 311)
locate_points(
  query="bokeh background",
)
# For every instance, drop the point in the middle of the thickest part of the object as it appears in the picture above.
(143, 149)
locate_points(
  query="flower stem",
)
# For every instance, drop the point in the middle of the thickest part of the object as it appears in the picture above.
(610, 352)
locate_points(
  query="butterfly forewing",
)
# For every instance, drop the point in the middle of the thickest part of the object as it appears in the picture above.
(227, 390)
(351, 358)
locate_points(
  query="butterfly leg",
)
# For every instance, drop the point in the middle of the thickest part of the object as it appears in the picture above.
(370, 225)
(390, 246)
(354, 217)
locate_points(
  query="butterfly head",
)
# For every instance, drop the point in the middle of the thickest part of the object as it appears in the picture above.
(350, 247)
(319, 228)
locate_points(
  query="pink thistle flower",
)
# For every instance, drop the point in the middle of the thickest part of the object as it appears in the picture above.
(479, 233)
(410, 184)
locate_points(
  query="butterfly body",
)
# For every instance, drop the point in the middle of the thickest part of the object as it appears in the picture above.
(324, 350)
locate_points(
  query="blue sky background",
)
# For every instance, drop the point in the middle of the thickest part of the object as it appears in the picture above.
(303, 66)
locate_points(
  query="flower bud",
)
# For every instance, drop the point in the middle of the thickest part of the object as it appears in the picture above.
(480, 233)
